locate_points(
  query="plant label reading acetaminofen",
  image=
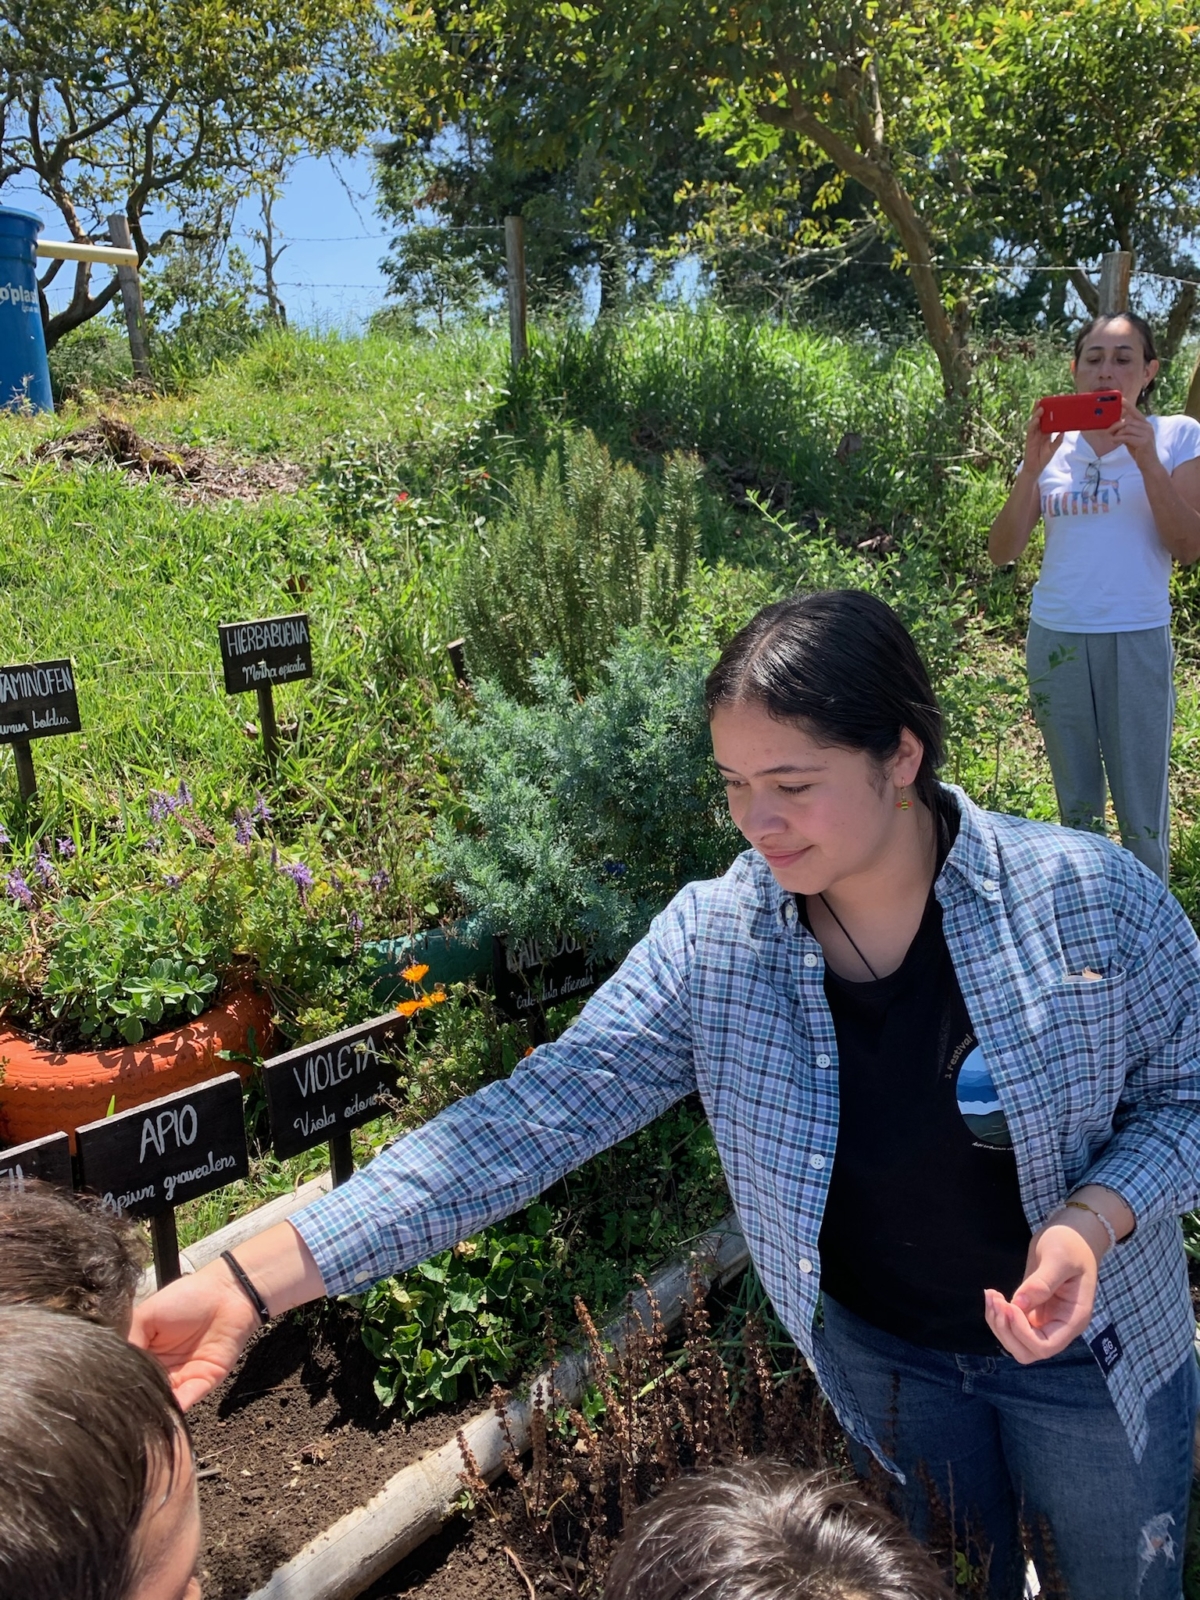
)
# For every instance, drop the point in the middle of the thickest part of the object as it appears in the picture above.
(258, 654)
(38, 701)
(48, 1159)
(333, 1085)
(157, 1156)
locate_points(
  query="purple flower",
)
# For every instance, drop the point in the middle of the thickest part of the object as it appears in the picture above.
(243, 826)
(43, 866)
(172, 880)
(354, 922)
(261, 810)
(18, 889)
(185, 794)
(300, 876)
(66, 847)
(337, 881)
(379, 880)
(4, 839)
(162, 805)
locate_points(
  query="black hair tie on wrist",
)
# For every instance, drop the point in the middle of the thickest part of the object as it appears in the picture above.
(243, 1282)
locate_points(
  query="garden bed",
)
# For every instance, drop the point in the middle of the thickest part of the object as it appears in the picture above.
(294, 1440)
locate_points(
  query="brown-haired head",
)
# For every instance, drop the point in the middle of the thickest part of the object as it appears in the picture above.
(841, 665)
(65, 1252)
(766, 1531)
(92, 1445)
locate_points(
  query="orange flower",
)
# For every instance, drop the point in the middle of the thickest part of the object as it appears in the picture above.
(414, 974)
(408, 1008)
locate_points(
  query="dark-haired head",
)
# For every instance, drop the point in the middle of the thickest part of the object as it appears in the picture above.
(97, 1487)
(1086, 379)
(765, 1531)
(841, 665)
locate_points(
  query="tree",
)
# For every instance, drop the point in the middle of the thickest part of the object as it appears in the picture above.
(180, 106)
(921, 106)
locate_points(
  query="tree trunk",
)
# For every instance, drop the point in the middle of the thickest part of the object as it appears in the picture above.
(947, 337)
(1179, 321)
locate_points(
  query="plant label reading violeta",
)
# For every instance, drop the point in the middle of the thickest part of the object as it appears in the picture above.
(48, 1159)
(256, 655)
(329, 1087)
(155, 1157)
(38, 701)
(530, 974)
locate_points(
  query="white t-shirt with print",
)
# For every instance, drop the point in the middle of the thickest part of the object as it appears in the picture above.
(1105, 569)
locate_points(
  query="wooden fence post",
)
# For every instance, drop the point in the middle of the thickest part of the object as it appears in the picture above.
(131, 297)
(1115, 269)
(514, 251)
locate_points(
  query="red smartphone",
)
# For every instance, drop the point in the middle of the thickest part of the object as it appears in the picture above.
(1069, 413)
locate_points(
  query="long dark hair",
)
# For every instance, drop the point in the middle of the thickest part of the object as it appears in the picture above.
(842, 664)
(1144, 331)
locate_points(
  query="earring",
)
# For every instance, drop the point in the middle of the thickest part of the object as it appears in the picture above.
(904, 805)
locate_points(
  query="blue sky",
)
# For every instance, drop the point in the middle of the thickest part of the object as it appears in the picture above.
(329, 275)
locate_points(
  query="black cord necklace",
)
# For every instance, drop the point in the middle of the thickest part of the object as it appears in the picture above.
(846, 931)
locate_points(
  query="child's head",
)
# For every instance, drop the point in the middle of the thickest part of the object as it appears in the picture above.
(68, 1254)
(97, 1484)
(765, 1531)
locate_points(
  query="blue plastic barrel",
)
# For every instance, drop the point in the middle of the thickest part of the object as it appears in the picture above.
(24, 373)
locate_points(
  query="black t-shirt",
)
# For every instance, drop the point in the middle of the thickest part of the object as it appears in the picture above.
(924, 1210)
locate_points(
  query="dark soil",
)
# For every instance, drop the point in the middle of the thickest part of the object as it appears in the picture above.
(472, 1559)
(200, 476)
(294, 1440)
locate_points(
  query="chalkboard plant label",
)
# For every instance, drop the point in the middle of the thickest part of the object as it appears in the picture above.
(530, 974)
(146, 1161)
(332, 1086)
(256, 655)
(38, 701)
(48, 1159)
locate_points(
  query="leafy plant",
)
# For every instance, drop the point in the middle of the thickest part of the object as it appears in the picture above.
(586, 816)
(467, 1315)
(570, 564)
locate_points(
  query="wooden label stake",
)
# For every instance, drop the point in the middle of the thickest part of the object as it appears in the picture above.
(258, 655)
(37, 701)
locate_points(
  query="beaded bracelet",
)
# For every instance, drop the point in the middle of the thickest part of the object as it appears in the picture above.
(1082, 1205)
(242, 1279)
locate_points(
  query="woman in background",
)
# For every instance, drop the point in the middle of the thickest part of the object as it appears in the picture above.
(1118, 505)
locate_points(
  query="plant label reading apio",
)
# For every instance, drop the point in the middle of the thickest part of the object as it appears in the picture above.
(48, 1159)
(332, 1086)
(38, 701)
(256, 655)
(158, 1155)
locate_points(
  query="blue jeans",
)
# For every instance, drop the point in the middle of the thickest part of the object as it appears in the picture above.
(990, 1448)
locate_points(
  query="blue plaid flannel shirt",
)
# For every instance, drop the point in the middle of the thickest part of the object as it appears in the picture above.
(1099, 1081)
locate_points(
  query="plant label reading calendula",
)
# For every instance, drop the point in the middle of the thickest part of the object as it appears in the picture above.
(156, 1156)
(48, 1159)
(37, 701)
(530, 974)
(329, 1087)
(257, 655)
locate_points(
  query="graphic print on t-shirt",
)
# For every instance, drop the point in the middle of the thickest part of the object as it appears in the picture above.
(1095, 496)
(979, 1104)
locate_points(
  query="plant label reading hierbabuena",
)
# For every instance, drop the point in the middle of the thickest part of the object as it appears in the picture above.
(329, 1087)
(38, 701)
(48, 1159)
(153, 1158)
(530, 974)
(258, 655)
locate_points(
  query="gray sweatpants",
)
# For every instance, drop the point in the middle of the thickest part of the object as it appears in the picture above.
(1105, 704)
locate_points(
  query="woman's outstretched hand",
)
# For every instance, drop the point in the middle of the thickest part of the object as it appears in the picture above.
(198, 1326)
(1053, 1306)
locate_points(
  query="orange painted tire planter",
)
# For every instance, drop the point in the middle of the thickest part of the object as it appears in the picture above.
(56, 1091)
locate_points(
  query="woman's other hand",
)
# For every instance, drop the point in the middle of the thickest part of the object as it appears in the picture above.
(1040, 448)
(1133, 429)
(1053, 1306)
(1010, 532)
